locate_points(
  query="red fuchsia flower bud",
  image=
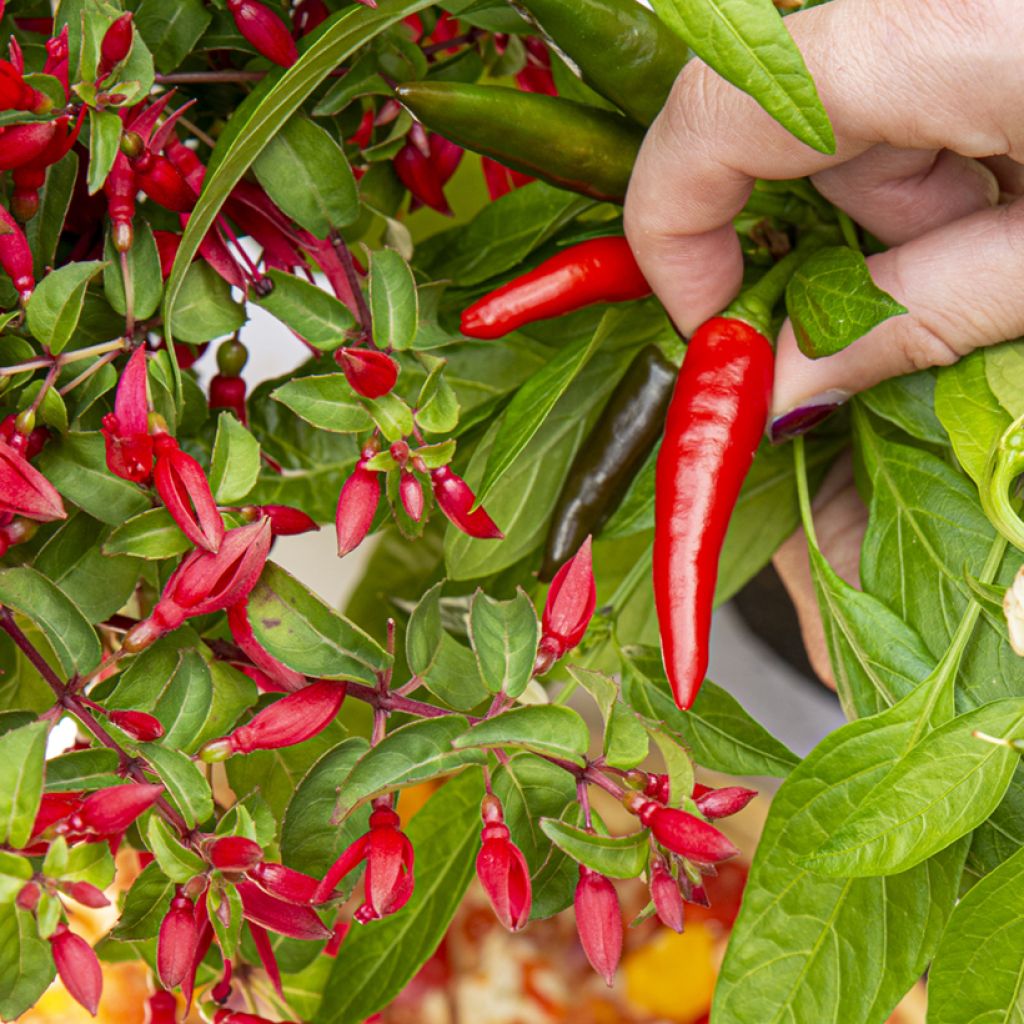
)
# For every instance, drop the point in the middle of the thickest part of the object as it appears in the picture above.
(120, 189)
(126, 430)
(15, 93)
(410, 490)
(116, 44)
(389, 860)
(112, 810)
(184, 489)
(536, 75)
(417, 173)
(138, 725)
(363, 135)
(265, 30)
(205, 582)
(599, 922)
(723, 803)
(167, 243)
(15, 255)
(162, 1008)
(265, 952)
(371, 373)
(176, 944)
(291, 919)
(88, 895)
(229, 393)
(29, 445)
(357, 505)
(668, 900)
(568, 609)
(307, 16)
(24, 491)
(500, 179)
(455, 499)
(339, 934)
(56, 62)
(285, 883)
(78, 967)
(286, 521)
(164, 183)
(293, 719)
(22, 144)
(683, 833)
(28, 897)
(224, 1016)
(221, 992)
(502, 869)
(241, 630)
(446, 156)
(55, 807)
(234, 853)
(658, 787)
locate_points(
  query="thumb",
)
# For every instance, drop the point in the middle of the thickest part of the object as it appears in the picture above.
(961, 286)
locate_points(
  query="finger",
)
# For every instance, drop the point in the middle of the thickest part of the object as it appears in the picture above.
(898, 194)
(961, 285)
(886, 73)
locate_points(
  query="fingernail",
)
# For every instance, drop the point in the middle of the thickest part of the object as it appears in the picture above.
(803, 418)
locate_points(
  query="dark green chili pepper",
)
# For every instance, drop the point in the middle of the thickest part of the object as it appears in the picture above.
(567, 144)
(611, 456)
(623, 50)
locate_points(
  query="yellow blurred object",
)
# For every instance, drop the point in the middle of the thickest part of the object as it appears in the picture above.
(125, 990)
(673, 976)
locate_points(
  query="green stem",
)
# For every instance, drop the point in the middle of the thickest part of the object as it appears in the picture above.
(803, 492)
(849, 230)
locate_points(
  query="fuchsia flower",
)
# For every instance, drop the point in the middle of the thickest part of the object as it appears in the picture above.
(599, 922)
(370, 372)
(668, 900)
(78, 967)
(234, 853)
(184, 489)
(241, 630)
(410, 490)
(15, 254)
(229, 393)
(177, 942)
(291, 919)
(722, 803)
(389, 860)
(138, 725)
(502, 869)
(357, 505)
(286, 521)
(568, 609)
(111, 810)
(284, 883)
(162, 1008)
(683, 833)
(455, 499)
(24, 491)
(115, 46)
(293, 719)
(126, 429)
(265, 30)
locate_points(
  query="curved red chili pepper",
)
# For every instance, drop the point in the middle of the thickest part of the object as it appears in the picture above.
(598, 270)
(715, 423)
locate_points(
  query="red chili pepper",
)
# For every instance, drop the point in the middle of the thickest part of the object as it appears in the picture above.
(598, 270)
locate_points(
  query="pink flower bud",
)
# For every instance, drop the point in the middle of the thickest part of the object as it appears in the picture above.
(24, 491)
(265, 31)
(599, 922)
(111, 810)
(162, 1008)
(410, 490)
(176, 945)
(138, 725)
(167, 243)
(284, 883)
(418, 173)
(503, 871)
(28, 897)
(357, 505)
(117, 42)
(446, 156)
(293, 719)
(78, 967)
(184, 489)
(120, 189)
(22, 144)
(126, 429)
(229, 393)
(164, 183)
(686, 834)
(88, 895)
(570, 604)
(308, 14)
(723, 803)
(241, 630)
(668, 901)
(293, 920)
(15, 254)
(234, 853)
(455, 499)
(286, 521)
(370, 372)
(658, 787)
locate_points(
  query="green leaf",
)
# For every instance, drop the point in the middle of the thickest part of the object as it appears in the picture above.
(614, 856)
(1004, 371)
(678, 766)
(44, 229)
(534, 401)
(233, 693)
(304, 171)
(73, 640)
(543, 728)
(978, 972)
(625, 738)
(380, 961)
(946, 786)
(204, 309)
(15, 871)
(171, 31)
(95, 768)
(504, 636)
(909, 402)
(76, 465)
(832, 301)
(56, 304)
(26, 963)
(747, 43)
(327, 402)
(393, 302)
(104, 140)
(413, 753)
(226, 903)
(176, 861)
(235, 463)
(145, 906)
(151, 535)
(437, 408)
(184, 780)
(90, 862)
(144, 269)
(22, 755)
(316, 315)
(392, 416)
(301, 631)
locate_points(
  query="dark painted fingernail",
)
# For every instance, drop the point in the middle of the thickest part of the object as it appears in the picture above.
(805, 417)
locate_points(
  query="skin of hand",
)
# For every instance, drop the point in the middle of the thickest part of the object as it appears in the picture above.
(922, 99)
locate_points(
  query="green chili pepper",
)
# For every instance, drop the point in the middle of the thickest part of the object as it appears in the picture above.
(622, 49)
(567, 144)
(1005, 464)
(611, 456)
